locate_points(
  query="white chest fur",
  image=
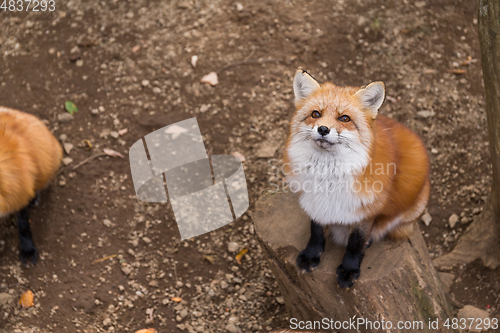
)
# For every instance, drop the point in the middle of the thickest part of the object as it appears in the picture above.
(329, 191)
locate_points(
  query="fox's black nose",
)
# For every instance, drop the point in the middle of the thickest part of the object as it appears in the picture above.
(323, 130)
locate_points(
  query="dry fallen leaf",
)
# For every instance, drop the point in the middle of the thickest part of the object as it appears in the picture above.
(26, 299)
(457, 71)
(112, 153)
(240, 255)
(208, 258)
(239, 156)
(147, 330)
(176, 299)
(88, 144)
(469, 60)
(210, 78)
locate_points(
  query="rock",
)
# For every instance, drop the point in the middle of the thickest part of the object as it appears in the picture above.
(425, 114)
(420, 4)
(231, 328)
(107, 223)
(64, 117)
(184, 5)
(427, 219)
(464, 220)
(5, 299)
(452, 221)
(127, 269)
(224, 284)
(94, 111)
(234, 320)
(63, 137)
(232, 246)
(210, 78)
(106, 322)
(239, 7)
(79, 63)
(67, 147)
(67, 160)
(156, 90)
(266, 150)
(146, 240)
(145, 83)
(280, 300)
(194, 60)
(362, 21)
(114, 134)
(204, 108)
(183, 314)
(470, 311)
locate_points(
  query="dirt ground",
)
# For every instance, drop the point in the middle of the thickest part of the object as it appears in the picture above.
(127, 65)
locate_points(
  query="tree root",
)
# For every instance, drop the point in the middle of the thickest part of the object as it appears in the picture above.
(479, 241)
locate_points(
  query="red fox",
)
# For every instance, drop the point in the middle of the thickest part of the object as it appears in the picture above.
(363, 175)
(29, 157)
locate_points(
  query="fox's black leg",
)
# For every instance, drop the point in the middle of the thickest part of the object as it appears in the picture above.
(349, 269)
(27, 249)
(35, 201)
(309, 258)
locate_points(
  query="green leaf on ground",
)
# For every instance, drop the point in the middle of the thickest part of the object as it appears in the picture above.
(70, 107)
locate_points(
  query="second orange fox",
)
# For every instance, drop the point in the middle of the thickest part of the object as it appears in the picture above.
(29, 157)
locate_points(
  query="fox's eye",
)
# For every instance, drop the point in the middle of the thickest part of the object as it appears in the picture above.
(344, 119)
(315, 114)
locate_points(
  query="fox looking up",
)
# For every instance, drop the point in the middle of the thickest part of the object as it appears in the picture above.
(363, 175)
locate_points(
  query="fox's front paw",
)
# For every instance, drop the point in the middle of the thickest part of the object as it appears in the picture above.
(28, 253)
(308, 260)
(345, 277)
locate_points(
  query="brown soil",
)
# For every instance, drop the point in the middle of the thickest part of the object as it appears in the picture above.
(98, 54)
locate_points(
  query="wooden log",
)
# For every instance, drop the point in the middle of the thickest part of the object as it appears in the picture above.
(398, 281)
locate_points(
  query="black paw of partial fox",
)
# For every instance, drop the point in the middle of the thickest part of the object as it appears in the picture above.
(307, 262)
(28, 255)
(345, 277)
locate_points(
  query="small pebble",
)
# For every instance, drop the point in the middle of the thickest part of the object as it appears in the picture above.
(232, 246)
(427, 218)
(64, 117)
(67, 147)
(67, 160)
(452, 221)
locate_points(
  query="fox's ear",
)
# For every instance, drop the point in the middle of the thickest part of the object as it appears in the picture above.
(372, 97)
(303, 85)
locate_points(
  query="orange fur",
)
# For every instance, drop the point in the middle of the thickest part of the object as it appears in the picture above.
(29, 157)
